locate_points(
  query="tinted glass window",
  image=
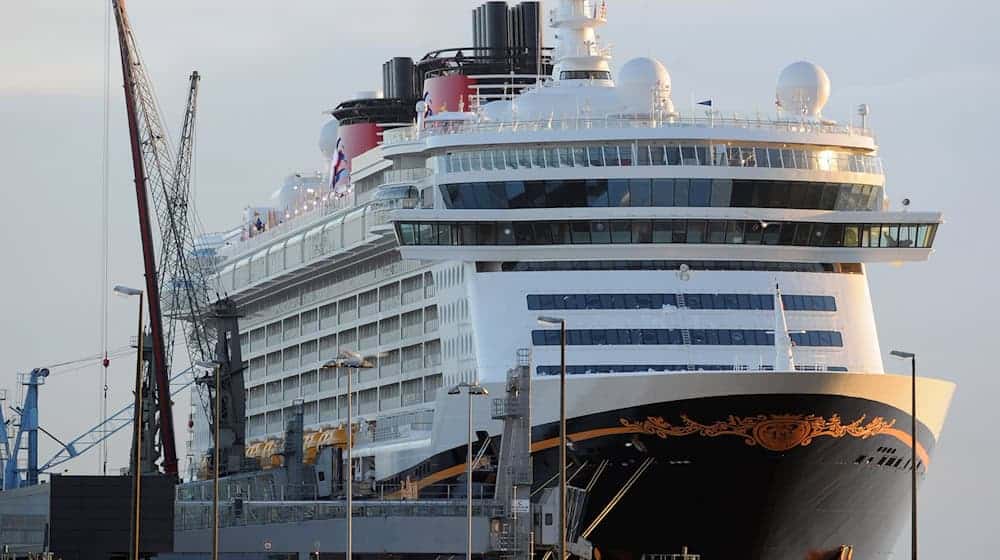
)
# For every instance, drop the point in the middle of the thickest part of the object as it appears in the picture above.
(657, 192)
(701, 192)
(642, 155)
(524, 233)
(642, 232)
(597, 193)
(600, 232)
(681, 187)
(747, 232)
(658, 155)
(688, 155)
(696, 231)
(581, 232)
(505, 233)
(662, 192)
(596, 155)
(662, 232)
(621, 232)
(487, 234)
(618, 192)
(639, 192)
(722, 190)
(716, 232)
(515, 194)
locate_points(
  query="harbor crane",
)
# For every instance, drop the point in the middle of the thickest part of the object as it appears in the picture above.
(182, 278)
(180, 293)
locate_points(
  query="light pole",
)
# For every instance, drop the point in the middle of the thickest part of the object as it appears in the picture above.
(214, 367)
(551, 322)
(350, 360)
(913, 448)
(472, 389)
(125, 291)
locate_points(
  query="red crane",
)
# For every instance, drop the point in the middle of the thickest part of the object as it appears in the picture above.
(152, 167)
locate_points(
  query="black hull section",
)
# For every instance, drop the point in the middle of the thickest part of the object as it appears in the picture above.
(771, 477)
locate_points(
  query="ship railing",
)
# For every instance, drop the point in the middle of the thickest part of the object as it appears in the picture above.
(391, 176)
(260, 488)
(198, 515)
(413, 133)
(294, 220)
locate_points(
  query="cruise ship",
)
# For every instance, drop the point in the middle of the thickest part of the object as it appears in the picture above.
(710, 270)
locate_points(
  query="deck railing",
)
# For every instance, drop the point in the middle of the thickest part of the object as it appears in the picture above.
(443, 128)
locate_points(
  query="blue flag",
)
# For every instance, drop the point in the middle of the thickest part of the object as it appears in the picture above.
(707, 103)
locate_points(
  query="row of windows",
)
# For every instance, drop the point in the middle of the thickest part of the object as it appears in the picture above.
(732, 232)
(720, 193)
(640, 264)
(644, 154)
(585, 75)
(691, 301)
(335, 284)
(634, 368)
(698, 337)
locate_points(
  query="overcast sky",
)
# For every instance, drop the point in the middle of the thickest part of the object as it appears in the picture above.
(928, 70)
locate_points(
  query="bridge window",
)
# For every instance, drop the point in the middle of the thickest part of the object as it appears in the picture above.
(698, 337)
(719, 193)
(732, 232)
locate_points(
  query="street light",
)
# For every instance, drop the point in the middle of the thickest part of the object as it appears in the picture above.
(561, 323)
(913, 448)
(351, 360)
(472, 389)
(214, 366)
(125, 291)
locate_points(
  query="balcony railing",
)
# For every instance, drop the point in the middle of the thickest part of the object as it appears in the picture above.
(412, 133)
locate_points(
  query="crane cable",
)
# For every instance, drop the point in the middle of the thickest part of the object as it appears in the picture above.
(88, 361)
(105, 233)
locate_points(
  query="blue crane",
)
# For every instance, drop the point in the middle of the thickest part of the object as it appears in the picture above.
(27, 434)
(12, 472)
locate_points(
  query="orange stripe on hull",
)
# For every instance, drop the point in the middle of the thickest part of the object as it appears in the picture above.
(907, 440)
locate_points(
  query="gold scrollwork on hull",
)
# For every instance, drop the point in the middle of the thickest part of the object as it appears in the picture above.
(775, 432)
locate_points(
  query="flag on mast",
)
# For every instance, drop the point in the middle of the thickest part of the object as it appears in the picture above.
(340, 175)
(428, 109)
(706, 103)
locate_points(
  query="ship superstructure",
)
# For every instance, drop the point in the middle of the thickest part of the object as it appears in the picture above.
(711, 271)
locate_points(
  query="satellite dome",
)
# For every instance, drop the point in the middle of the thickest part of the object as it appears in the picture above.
(328, 138)
(644, 84)
(803, 89)
(644, 71)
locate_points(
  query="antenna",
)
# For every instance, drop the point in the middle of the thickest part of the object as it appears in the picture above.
(863, 111)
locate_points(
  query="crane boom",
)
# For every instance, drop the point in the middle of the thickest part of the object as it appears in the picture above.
(187, 291)
(152, 170)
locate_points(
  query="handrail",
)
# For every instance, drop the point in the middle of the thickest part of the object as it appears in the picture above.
(412, 133)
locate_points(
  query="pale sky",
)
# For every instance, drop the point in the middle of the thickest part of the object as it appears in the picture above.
(929, 71)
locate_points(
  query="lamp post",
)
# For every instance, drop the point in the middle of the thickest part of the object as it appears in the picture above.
(472, 389)
(350, 360)
(913, 448)
(214, 366)
(125, 291)
(551, 322)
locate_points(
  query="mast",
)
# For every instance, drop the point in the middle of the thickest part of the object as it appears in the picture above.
(132, 75)
(783, 359)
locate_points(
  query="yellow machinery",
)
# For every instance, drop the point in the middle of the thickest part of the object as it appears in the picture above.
(268, 452)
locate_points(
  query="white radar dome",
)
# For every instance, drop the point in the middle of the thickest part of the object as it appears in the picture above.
(644, 84)
(803, 89)
(328, 138)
